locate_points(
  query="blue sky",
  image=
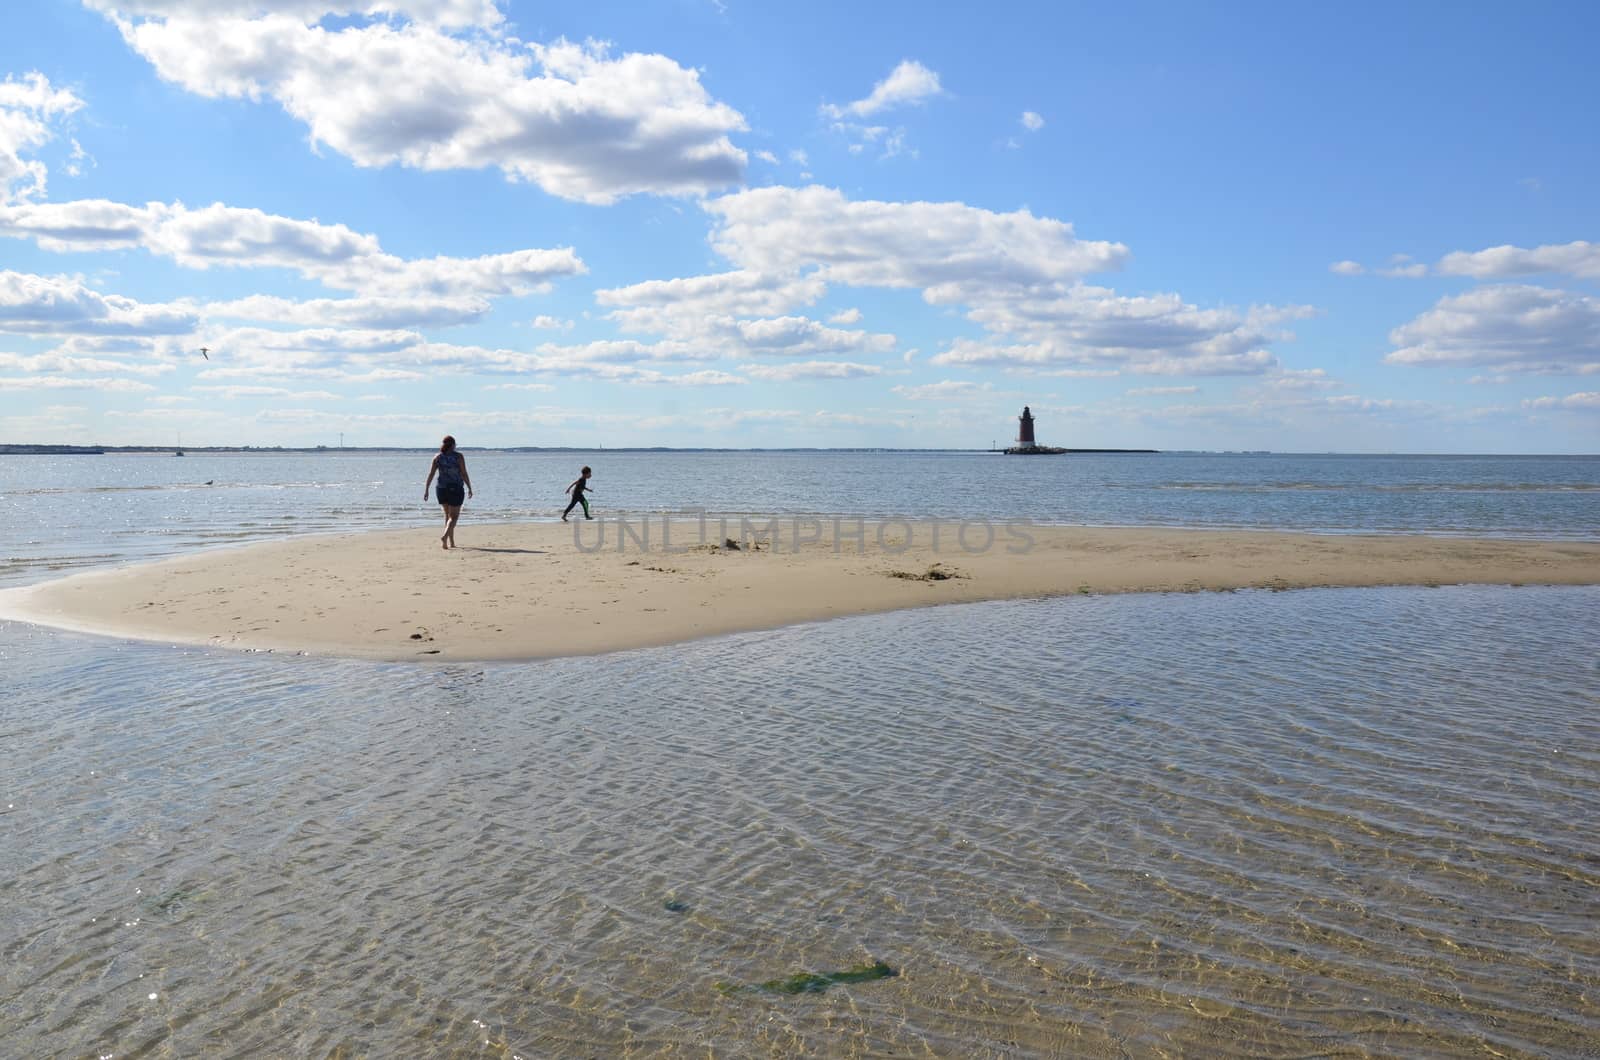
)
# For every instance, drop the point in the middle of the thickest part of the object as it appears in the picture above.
(691, 222)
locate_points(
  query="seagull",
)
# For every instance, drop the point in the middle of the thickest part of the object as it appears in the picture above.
(205, 352)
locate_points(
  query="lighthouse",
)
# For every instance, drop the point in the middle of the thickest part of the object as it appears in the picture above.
(1025, 436)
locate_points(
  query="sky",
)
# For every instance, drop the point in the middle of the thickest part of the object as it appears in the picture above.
(1294, 227)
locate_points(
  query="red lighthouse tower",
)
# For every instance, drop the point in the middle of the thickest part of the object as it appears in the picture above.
(1025, 435)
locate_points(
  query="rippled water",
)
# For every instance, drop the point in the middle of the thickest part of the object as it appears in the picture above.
(1339, 822)
(62, 513)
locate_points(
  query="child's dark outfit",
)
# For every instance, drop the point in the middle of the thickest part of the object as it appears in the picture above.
(578, 498)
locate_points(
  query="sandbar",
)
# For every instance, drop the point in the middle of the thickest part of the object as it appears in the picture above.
(517, 591)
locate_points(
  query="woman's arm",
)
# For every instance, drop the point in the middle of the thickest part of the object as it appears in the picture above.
(432, 468)
(465, 478)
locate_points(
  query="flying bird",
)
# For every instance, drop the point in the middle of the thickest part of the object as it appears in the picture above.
(205, 352)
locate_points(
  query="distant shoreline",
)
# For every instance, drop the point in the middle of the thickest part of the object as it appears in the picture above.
(32, 449)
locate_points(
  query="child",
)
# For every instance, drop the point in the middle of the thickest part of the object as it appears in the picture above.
(579, 484)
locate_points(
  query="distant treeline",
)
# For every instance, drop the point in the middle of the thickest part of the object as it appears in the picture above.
(99, 449)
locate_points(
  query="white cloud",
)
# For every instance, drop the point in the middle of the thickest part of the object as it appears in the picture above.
(235, 392)
(335, 255)
(669, 305)
(1032, 121)
(28, 110)
(569, 117)
(781, 230)
(381, 312)
(782, 373)
(1581, 402)
(846, 316)
(534, 387)
(458, 13)
(54, 362)
(908, 83)
(946, 390)
(768, 157)
(1579, 258)
(544, 322)
(625, 351)
(1019, 277)
(1400, 267)
(732, 314)
(62, 305)
(1301, 379)
(1157, 391)
(108, 385)
(1505, 328)
(792, 335)
(1082, 326)
(336, 354)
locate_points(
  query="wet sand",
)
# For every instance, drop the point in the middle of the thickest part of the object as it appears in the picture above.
(539, 590)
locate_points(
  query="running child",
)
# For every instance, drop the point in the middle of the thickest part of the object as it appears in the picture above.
(579, 485)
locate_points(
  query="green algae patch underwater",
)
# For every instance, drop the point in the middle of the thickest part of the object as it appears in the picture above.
(815, 982)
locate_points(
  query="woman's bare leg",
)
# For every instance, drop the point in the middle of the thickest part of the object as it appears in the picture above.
(452, 512)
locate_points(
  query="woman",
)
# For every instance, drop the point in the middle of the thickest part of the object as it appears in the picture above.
(451, 467)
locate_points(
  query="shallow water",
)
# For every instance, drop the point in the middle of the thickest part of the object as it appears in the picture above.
(1338, 822)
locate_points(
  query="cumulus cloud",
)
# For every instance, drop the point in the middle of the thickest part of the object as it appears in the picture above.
(846, 316)
(908, 83)
(1584, 402)
(1505, 328)
(29, 111)
(1082, 326)
(382, 312)
(1400, 266)
(346, 354)
(1018, 276)
(572, 118)
(1158, 391)
(1301, 379)
(63, 305)
(945, 390)
(784, 373)
(778, 231)
(242, 237)
(1032, 121)
(662, 305)
(624, 351)
(107, 385)
(1579, 258)
(438, 12)
(57, 362)
(235, 392)
(737, 314)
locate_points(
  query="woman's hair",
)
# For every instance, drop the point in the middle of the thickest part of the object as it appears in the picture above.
(448, 444)
(586, 470)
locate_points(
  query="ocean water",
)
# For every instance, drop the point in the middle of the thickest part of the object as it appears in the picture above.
(1328, 822)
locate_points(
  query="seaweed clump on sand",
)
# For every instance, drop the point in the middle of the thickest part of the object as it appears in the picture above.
(817, 982)
(936, 572)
